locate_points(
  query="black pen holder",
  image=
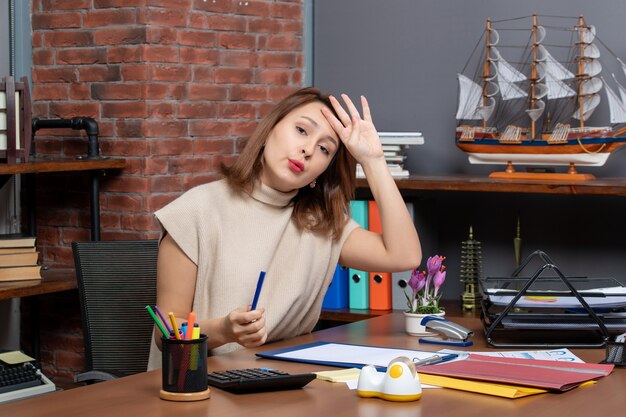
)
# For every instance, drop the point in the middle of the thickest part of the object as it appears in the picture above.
(184, 369)
(615, 353)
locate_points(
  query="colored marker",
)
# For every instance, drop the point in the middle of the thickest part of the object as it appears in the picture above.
(162, 319)
(259, 285)
(173, 320)
(158, 322)
(190, 322)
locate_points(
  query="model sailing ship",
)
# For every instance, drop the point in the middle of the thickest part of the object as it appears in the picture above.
(535, 111)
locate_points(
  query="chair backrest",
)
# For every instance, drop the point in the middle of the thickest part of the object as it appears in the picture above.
(116, 280)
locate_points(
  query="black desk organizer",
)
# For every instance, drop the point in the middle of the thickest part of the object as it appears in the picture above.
(516, 326)
(615, 353)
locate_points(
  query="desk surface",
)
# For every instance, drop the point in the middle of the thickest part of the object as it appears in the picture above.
(52, 281)
(138, 395)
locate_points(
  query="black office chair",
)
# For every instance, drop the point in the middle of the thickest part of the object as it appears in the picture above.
(116, 280)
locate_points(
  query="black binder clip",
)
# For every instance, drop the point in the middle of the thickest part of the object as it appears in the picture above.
(455, 334)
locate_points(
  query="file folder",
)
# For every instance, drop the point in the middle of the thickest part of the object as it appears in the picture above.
(379, 282)
(380, 290)
(359, 212)
(542, 374)
(399, 281)
(337, 294)
(359, 289)
(358, 281)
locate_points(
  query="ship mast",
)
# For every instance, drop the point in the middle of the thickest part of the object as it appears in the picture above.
(581, 57)
(486, 72)
(533, 76)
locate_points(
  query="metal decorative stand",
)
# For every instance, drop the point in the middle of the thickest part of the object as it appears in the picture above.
(471, 259)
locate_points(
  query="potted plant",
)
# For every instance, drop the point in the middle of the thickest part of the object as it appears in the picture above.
(425, 295)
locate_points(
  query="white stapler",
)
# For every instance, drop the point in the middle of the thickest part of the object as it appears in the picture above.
(454, 334)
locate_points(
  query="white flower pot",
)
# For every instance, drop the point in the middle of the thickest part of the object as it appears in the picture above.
(413, 323)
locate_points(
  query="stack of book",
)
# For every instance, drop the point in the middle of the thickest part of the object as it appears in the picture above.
(18, 258)
(395, 145)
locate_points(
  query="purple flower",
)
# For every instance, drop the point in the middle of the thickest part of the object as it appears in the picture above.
(438, 280)
(417, 280)
(434, 264)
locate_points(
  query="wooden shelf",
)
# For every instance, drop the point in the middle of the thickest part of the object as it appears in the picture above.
(56, 164)
(348, 315)
(604, 186)
(53, 280)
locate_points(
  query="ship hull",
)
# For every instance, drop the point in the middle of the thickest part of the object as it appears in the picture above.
(594, 151)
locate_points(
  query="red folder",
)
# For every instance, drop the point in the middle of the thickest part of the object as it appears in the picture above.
(551, 375)
(380, 282)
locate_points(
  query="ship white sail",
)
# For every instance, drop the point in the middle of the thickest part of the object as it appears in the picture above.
(551, 65)
(589, 104)
(622, 90)
(552, 73)
(616, 106)
(556, 88)
(507, 77)
(470, 101)
(536, 113)
(589, 87)
(623, 65)
(589, 34)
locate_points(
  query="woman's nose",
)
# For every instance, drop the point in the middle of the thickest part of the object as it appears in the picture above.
(306, 150)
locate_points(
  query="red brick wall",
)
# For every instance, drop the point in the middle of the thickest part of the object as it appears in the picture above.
(176, 87)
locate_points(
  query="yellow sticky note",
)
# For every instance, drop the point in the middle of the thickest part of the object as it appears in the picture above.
(341, 375)
(15, 357)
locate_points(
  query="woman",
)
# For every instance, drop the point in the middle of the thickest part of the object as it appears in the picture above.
(283, 208)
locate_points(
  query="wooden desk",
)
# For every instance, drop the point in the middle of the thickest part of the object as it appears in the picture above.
(138, 395)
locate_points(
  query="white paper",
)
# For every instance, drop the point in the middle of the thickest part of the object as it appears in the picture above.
(341, 353)
(563, 355)
(615, 297)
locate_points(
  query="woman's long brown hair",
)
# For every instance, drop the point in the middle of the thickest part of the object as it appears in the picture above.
(322, 209)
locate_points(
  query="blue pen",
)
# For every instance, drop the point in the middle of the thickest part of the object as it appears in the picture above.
(259, 284)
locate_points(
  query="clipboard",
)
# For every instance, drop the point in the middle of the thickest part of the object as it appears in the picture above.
(345, 355)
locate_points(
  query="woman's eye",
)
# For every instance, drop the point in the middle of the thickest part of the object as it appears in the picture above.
(324, 149)
(301, 130)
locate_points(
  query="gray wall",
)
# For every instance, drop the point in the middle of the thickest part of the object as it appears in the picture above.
(404, 56)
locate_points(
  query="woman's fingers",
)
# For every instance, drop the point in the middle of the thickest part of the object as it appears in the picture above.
(343, 116)
(367, 115)
(353, 110)
(334, 122)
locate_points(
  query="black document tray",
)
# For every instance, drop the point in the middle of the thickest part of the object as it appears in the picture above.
(551, 311)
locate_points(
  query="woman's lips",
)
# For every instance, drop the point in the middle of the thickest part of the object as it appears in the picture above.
(296, 166)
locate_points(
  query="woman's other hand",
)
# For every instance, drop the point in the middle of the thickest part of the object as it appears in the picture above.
(358, 134)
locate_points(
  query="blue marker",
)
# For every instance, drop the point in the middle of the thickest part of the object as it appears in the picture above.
(259, 284)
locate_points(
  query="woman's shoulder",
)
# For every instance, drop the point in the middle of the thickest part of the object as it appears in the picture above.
(209, 190)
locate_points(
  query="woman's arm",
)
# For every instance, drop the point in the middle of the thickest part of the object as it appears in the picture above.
(398, 248)
(176, 283)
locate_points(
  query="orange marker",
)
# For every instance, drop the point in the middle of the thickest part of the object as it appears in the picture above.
(190, 323)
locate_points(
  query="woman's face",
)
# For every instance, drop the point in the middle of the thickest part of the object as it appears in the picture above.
(299, 149)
